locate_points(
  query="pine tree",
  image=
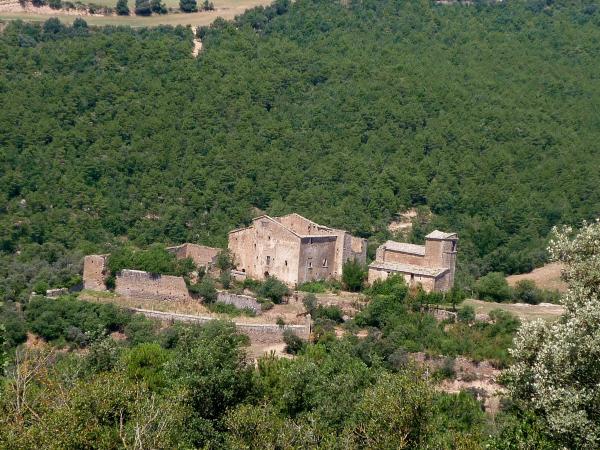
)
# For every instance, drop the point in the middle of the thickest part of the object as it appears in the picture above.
(188, 6)
(122, 8)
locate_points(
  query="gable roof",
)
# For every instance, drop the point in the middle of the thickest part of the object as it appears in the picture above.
(409, 268)
(403, 247)
(441, 235)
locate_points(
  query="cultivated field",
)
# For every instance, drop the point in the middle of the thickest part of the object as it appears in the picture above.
(227, 9)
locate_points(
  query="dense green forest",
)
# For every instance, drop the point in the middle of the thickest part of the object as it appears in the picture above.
(346, 113)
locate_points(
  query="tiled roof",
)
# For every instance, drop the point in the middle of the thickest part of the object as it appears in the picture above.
(409, 268)
(437, 234)
(403, 247)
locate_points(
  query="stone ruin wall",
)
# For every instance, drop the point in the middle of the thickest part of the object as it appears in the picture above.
(264, 333)
(239, 301)
(94, 272)
(138, 284)
(200, 254)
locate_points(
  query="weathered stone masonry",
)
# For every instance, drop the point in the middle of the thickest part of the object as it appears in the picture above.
(431, 265)
(293, 249)
(148, 286)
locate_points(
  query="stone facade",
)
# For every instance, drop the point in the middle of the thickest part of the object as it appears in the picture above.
(293, 249)
(431, 265)
(148, 286)
(200, 254)
(94, 272)
(239, 301)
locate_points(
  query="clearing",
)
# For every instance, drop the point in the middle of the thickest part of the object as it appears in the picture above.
(227, 9)
(523, 311)
(546, 277)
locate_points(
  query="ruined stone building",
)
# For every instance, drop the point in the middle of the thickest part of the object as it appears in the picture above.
(293, 249)
(432, 265)
(144, 285)
(200, 254)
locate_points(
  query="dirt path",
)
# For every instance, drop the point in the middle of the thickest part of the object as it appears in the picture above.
(197, 43)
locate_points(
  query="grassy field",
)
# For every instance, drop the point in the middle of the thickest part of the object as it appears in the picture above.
(521, 310)
(226, 9)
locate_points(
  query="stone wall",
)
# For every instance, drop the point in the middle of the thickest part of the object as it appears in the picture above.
(200, 254)
(94, 272)
(239, 301)
(258, 332)
(148, 286)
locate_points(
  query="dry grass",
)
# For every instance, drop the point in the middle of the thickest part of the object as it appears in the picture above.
(521, 310)
(546, 277)
(227, 9)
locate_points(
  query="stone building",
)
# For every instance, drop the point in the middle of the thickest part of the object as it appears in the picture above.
(432, 265)
(200, 254)
(293, 249)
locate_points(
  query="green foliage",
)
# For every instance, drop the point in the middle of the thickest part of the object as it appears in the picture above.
(154, 260)
(527, 291)
(205, 289)
(493, 287)
(224, 260)
(73, 321)
(273, 289)
(122, 8)
(188, 6)
(293, 343)
(146, 362)
(140, 330)
(225, 279)
(231, 310)
(466, 314)
(143, 7)
(55, 4)
(310, 303)
(320, 286)
(333, 313)
(353, 275)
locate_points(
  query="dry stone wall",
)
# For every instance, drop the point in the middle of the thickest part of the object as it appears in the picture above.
(148, 286)
(264, 333)
(239, 301)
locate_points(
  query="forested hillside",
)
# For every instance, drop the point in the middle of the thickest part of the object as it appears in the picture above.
(346, 114)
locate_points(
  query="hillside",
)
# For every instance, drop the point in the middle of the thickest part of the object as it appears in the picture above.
(345, 114)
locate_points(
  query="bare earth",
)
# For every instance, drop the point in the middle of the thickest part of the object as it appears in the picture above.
(546, 277)
(227, 9)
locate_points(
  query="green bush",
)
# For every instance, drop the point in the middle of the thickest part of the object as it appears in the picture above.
(493, 287)
(333, 313)
(273, 289)
(205, 289)
(466, 314)
(293, 343)
(353, 275)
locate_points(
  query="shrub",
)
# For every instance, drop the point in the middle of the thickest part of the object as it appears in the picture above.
(333, 313)
(493, 287)
(293, 343)
(55, 4)
(466, 314)
(188, 6)
(266, 305)
(224, 260)
(205, 289)
(122, 8)
(225, 279)
(273, 289)
(310, 303)
(353, 275)
(143, 8)
(280, 322)
(316, 287)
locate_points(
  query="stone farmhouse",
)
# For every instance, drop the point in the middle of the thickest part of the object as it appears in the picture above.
(293, 249)
(432, 265)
